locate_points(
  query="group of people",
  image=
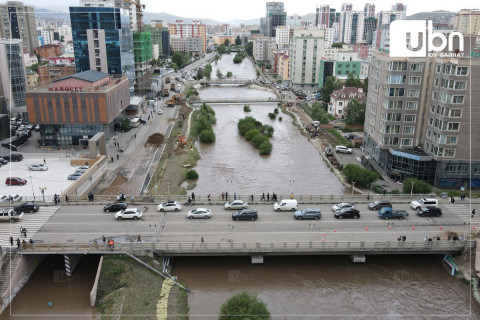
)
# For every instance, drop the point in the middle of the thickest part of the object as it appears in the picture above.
(90, 197)
(402, 238)
(56, 198)
(121, 197)
(274, 197)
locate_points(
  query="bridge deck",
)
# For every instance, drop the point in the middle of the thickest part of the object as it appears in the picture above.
(253, 248)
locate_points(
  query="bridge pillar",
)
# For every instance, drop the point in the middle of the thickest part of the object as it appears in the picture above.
(358, 257)
(258, 259)
(71, 262)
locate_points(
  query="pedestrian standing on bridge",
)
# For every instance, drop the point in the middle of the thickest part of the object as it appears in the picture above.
(208, 197)
(226, 196)
(234, 196)
(104, 240)
(268, 196)
(139, 238)
(473, 213)
(132, 198)
(223, 196)
(202, 240)
(252, 198)
(11, 240)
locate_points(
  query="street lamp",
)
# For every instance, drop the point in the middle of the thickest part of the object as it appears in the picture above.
(411, 191)
(168, 190)
(42, 190)
(353, 186)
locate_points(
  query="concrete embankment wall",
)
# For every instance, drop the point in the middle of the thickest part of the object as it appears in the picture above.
(93, 293)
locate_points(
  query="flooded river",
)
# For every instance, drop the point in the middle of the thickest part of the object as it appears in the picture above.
(329, 287)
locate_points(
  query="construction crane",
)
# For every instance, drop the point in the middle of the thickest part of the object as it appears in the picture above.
(140, 7)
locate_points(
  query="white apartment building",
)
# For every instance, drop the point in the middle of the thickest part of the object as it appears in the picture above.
(263, 48)
(177, 43)
(282, 36)
(351, 26)
(329, 37)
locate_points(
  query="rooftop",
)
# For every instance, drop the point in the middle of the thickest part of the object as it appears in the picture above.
(90, 76)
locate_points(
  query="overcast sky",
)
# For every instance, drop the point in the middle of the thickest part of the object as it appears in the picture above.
(224, 10)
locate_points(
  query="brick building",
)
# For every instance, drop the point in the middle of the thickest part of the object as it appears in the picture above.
(48, 51)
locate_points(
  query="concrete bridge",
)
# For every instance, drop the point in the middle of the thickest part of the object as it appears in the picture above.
(257, 250)
(217, 82)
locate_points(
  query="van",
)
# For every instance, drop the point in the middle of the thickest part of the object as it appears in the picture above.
(286, 205)
(134, 122)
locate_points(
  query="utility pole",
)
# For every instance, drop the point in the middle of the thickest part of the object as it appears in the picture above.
(168, 190)
(411, 191)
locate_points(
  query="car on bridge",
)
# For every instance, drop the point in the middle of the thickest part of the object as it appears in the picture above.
(429, 212)
(425, 202)
(10, 215)
(236, 204)
(115, 207)
(342, 205)
(245, 214)
(379, 204)
(130, 213)
(200, 213)
(309, 213)
(347, 213)
(37, 167)
(30, 207)
(170, 205)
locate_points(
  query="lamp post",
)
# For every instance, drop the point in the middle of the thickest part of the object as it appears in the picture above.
(168, 190)
(411, 191)
(31, 182)
(353, 186)
(42, 190)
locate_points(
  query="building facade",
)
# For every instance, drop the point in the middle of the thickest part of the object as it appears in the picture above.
(275, 16)
(142, 53)
(18, 22)
(51, 72)
(77, 107)
(351, 26)
(339, 99)
(48, 51)
(13, 74)
(282, 37)
(467, 21)
(184, 30)
(103, 41)
(263, 48)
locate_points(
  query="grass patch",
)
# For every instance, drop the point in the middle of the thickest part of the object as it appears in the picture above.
(126, 288)
(337, 137)
(178, 304)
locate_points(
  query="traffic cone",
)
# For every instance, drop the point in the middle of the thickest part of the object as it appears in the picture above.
(323, 235)
(389, 228)
(413, 227)
(366, 228)
(335, 230)
(441, 228)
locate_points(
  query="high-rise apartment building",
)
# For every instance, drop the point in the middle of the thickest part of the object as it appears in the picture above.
(13, 76)
(369, 10)
(282, 36)
(467, 21)
(418, 118)
(160, 40)
(195, 30)
(263, 48)
(18, 22)
(306, 52)
(142, 53)
(275, 16)
(102, 39)
(132, 11)
(322, 16)
(398, 12)
(351, 26)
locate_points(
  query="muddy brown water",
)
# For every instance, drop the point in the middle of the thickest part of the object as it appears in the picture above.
(69, 296)
(329, 287)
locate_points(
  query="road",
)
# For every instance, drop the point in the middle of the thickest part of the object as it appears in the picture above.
(85, 223)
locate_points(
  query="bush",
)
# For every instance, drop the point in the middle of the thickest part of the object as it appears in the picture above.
(378, 189)
(275, 111)
(265, 148)
(280, 119)
(192, 175)
(419, 186)
(246, 124)
(251, 134)
(125, 125)
(246, 304)
(246, 108)
(267, 130)
(272, 115)
(362, 177)
(258, 140)
(207, 136)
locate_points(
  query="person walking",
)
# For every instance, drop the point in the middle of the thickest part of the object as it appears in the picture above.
(473, 213)
(291, 195)
(368, 197)
(404, 238)
(104, 240)
(252, 198)
(193, 196)
(263, 197)
(44, 161)
(223, 196)
(226, 196)
(18, 244)
(55, 199)
(118, 156)
(24, 232)
(208, 198)
(139, 238)
(268, 196)
(452, 200)
(11, 240)
(234, 196)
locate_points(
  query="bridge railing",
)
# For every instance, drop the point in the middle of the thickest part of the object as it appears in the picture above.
(230, 247)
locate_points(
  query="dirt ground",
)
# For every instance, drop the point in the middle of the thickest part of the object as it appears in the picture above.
(116, 186)
(155, 140)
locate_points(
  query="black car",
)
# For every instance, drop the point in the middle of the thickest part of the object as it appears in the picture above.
(27, 207)
(347, 213)
(349, 136)
(245, 214)
(3, 161)
(379, 204)
(429, 212)
(13, 157)
(114, 207)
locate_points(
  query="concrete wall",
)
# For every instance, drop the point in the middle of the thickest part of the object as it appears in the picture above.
(83, 185)
(93, 293)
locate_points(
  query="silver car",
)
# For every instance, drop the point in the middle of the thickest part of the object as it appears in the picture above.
(342, 205)
(37, 167)
(199, 213)
(236, 205)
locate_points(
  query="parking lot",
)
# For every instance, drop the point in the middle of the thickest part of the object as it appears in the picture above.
(54, 180)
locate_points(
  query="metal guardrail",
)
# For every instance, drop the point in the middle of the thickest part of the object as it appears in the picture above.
(245, 248)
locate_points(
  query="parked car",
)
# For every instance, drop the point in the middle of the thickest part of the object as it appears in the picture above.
(343, 149)
(10, 215)
(347, 213)
(37, 167)
(349, 136)
(309, 213)
(75, 175)
(4, 198)
(83, 168)
(379, 204)
(3, 161)
(22, 127)
(286, 205)
(170, 205)
(37, 127)
(13, 157)
(199, 213)
(115, 207)
(429, 212)
(15, 181)
(342, 205)
(15, 197)
(27, 207)
(245, 214)
(130, 213)
(424, 203)
(236, 204)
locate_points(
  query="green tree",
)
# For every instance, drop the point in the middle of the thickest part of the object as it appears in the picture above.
(265, 148)
(353, 81)
(207, 136)
(207, 71)
(365, 85)
(229, 74)
(199, 74)
(221, 49)
(362, 177)
(219, 74)
(246, 305)
(355, 112)
(227, 42)
(251, 134)
(337, 45)
(238, 41)
(192, 175)
(331, 84)
(177, 59)
(319, 113)
(419, 186)
(249, 48)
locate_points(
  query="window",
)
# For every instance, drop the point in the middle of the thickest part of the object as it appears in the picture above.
(396, 92)
(458, 99)
(393, 117)
(460, 85)
(398, 66)
(396, 79)
(390, 141)
(339, 72)
(409, 118)
(449, 153)
(393, 104)
(455, 113)
(339, 65)
(413, 93)
(407, 142)
(436, 81)
(434, 95)
(453, 126)
(411, 105)
(438, 68)
(432, 108)
(392, 129)
(462, 71)
(408, 130)
(430, 121)
(416, 67)
(415, 80)
(447, 68)
(429, 133)
(451, 140)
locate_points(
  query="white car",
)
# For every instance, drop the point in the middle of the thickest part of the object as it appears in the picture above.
(15, 197)
(83, 168)
(343, 149)
(10, 215)
(130, 213)
(342, 205)
(159, 111)
(37, 167)
(170, 205)
(236, 205)
(199, 213)
(4, 198)
(424, 203)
